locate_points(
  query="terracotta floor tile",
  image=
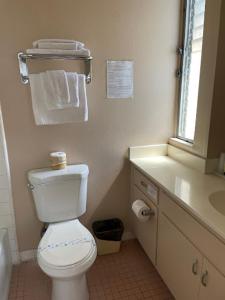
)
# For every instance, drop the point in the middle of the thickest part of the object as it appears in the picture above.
(127, 275)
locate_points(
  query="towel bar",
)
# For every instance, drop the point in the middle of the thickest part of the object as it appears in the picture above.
(24, 74)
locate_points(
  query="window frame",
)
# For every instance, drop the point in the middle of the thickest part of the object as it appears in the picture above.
(206, 84)
(184, 24)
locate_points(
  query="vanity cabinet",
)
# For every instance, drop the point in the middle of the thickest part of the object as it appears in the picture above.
(178, 261)
(188, 256)
(183, 252)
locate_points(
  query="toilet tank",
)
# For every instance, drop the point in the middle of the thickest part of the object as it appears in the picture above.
(59, 195)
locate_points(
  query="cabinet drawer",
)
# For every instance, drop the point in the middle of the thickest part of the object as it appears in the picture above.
(145, 232)
(203, 239)
(146, 186)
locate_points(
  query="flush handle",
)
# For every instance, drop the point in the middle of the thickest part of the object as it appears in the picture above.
(30, 186)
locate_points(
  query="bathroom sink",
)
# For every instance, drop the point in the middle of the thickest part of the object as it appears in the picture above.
(217, 200)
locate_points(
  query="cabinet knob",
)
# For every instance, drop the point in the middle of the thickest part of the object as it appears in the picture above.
(205, 278)
(195, 267)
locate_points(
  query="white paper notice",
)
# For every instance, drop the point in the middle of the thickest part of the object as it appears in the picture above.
(119, 79)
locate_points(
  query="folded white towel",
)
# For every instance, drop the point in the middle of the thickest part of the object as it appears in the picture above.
(43, 116)
(83, 52)
(58, 44)
(62, 46)
(55, 89)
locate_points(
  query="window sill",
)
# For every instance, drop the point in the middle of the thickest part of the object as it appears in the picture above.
(179, 143)
(187, 146)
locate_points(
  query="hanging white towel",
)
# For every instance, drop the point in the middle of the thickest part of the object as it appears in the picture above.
(81, 52)
(43, 116)
(58, 44)
(72, 79)
(56, 98)
(55, 89)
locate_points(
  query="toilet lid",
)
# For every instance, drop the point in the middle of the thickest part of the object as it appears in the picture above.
(66, 243)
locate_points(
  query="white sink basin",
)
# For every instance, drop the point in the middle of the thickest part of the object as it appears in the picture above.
(217, 200)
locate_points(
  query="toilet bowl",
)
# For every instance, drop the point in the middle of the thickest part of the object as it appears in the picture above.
(65, 253)
(67, 249)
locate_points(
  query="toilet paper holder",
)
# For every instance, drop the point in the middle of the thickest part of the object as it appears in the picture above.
(148, 212)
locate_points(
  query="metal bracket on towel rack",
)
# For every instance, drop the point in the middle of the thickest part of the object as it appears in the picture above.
(24, 74)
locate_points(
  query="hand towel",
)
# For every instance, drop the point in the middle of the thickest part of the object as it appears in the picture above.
(82, 52)
(58, 44)
(55, 89)
(43, 116)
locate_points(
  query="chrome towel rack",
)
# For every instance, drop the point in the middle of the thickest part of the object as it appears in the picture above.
(24, 74)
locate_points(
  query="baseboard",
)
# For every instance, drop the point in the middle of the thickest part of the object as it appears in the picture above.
(28, 255)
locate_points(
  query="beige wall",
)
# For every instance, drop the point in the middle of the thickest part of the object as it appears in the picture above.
(143, 30)
(217, 127)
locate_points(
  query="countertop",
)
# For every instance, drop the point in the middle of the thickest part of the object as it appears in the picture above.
(189, 188)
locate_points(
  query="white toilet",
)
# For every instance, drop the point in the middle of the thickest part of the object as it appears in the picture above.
(67, 249)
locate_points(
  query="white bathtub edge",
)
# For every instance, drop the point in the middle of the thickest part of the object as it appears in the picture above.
(6, 264)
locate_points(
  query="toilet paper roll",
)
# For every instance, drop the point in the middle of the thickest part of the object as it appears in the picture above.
(140, 208)
(60, 156)
(58, 160)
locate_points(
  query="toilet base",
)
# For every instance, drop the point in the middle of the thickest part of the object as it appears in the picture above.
(74, 288)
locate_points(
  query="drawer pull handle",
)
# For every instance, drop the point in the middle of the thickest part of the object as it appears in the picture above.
(144, 184)
(205, 278)
(195, 267)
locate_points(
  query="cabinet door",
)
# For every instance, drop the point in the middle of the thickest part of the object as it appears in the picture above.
(145, 232)
(212, 283)
(178, 261)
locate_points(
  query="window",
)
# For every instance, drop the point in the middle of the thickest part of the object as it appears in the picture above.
(191, 53)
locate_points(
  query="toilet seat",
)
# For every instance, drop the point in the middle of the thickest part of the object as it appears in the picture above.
(66, 249)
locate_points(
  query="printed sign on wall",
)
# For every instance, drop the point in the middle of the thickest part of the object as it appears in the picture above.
(119, 79)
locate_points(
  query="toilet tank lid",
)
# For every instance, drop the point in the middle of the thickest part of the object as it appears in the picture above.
(45, 175)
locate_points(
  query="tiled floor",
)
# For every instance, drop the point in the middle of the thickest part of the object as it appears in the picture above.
(125, 275)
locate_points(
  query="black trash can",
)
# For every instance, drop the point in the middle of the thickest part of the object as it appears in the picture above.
(108, 234)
